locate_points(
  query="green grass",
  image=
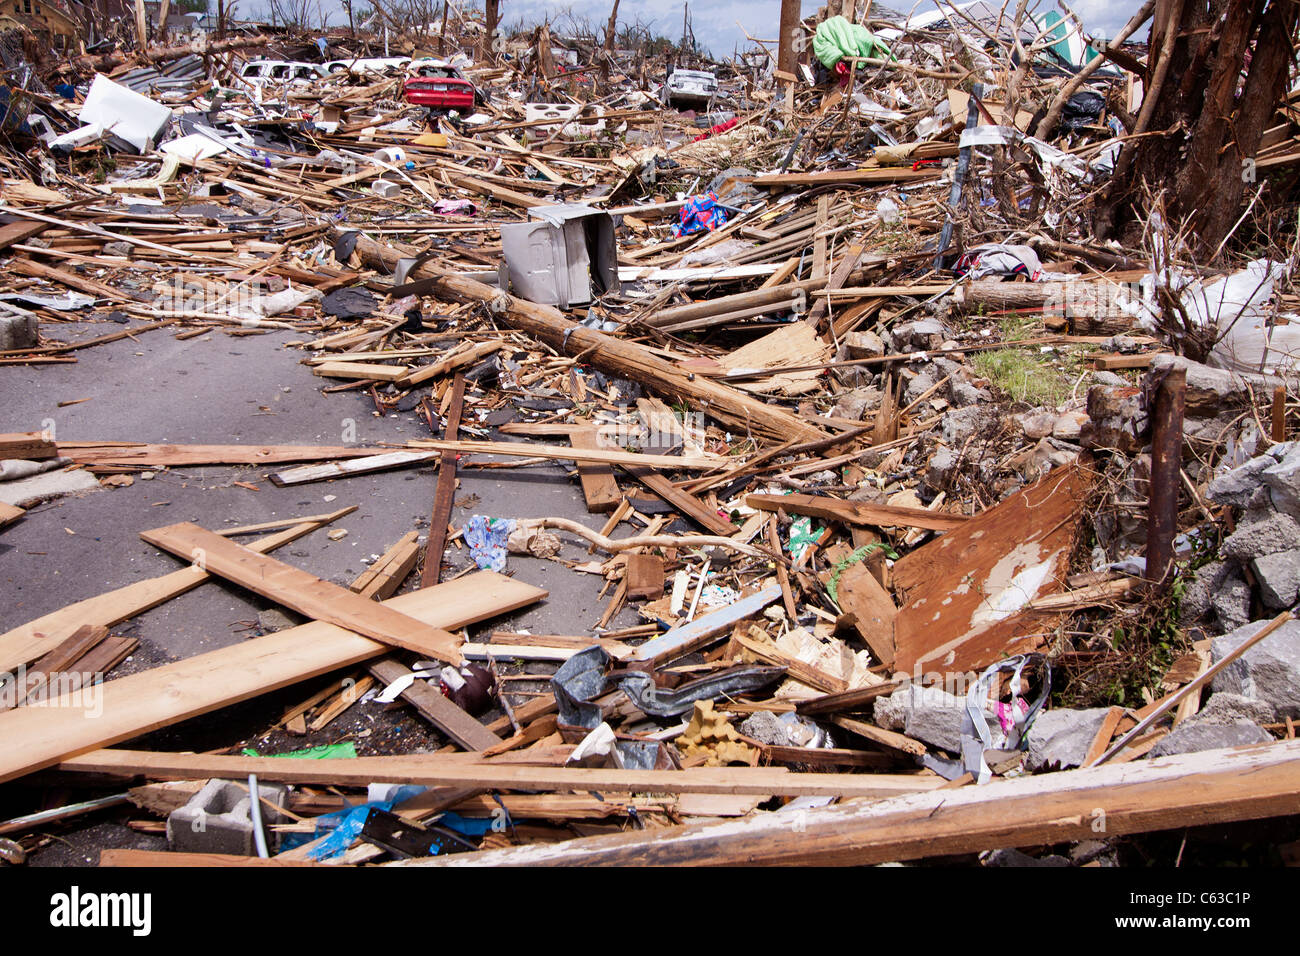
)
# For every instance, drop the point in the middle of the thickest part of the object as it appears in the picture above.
(1027, 375)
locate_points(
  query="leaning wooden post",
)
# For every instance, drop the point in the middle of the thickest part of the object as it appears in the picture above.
(1166, 467)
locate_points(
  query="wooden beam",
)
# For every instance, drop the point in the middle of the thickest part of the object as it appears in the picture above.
(609, 456)
(127, 707)
(29, 641)
(857, 512)
(611, 355)
(436, 770)
(441, 712)
(29, 445)
(687, 504)
(1208, 787)
(851, 177)
(444, 495)
(303, 592)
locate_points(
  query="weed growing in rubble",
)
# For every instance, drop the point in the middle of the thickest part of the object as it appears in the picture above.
(1027, 375)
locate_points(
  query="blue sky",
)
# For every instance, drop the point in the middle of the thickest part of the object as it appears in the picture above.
(718, 23)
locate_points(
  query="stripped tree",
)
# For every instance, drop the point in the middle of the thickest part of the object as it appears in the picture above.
(1213, 79)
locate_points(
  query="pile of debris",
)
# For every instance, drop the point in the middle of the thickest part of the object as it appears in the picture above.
(899, 485)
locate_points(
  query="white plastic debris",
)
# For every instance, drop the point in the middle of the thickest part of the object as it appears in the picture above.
(125, 113)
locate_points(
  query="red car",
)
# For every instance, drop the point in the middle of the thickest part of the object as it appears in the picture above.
(440, 88)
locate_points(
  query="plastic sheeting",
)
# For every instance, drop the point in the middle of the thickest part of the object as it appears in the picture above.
(837, 38)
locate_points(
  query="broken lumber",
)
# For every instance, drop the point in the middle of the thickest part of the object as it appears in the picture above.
(1208, 787)
(605, 352)
(25, 643)
(437, 770)
(303, 592)
(138, 703)
(857, 512)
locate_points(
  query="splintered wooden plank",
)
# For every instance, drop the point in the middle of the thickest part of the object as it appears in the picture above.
(175, 456)
(369, 371)
(354, 466)
(687, 504)
(50, 665)
(439, 770)
(29, 641)
(1204, 788)
(604, 455)
(966, 590)
(870, 609)
(30, 445)
(444, 495)
(689, 637)
(9, 513)
(441, 712)
(857, 512)
(303, 592)
(127, 707)
(386, 575)
(598, 485)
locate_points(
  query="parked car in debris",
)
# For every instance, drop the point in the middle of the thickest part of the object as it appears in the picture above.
(440, 86)
(689, 88)
(261, 72)
(369, 64)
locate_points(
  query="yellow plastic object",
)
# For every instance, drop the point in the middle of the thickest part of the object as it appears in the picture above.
(712, 734)
(430, 139)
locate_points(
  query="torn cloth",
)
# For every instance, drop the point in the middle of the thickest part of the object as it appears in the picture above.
(700, 214)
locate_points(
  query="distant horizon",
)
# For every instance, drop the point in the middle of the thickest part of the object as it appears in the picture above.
(719, 27)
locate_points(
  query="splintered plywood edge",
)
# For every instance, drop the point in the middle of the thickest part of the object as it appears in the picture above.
(966, 590)
(124, 708)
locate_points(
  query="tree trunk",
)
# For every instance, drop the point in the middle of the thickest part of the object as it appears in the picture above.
(1202, 123)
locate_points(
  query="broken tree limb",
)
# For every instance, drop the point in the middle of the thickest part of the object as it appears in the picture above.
(605, 352)
(616, 545)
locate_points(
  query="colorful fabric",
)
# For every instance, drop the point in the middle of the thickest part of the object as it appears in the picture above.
(700, 214)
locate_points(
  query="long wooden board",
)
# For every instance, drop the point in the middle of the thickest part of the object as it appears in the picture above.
(435, 770)
(1209, 787)
(175, 456)
(352, 466)
(129, 706)
(444, 494)
(303, 592)
(609, 456)
(687, 504)
(25, 643)
(857, 512)
(30, 445)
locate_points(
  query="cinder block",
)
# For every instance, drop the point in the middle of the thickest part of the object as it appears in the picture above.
(19, 329)
(218, 819)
